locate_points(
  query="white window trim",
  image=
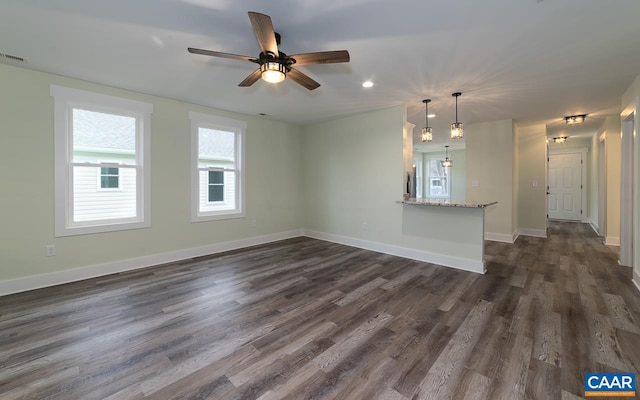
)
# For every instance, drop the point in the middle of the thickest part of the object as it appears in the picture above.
(200, 120)
(65, 99)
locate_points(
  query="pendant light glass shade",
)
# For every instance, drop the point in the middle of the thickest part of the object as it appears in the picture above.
(456, 128)
(447, 162)
(427, 131)
(427, 134)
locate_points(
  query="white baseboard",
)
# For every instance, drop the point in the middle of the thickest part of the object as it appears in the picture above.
(636, 280)
(612, 241)
(93, 271)
(500, 237)
(420, 255)
(595, 228)
(541, 233)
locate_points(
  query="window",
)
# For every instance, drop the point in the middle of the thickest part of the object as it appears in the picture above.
(438, 182)
(107, 137)
(109, 178)
(217, 177)
(216, 186)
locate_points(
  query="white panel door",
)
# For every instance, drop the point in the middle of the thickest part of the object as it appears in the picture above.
(565, 186)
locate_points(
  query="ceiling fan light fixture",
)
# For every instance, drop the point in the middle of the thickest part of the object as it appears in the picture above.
(273, 72)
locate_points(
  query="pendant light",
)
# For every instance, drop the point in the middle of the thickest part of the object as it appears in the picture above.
(456, 127)
(427, 131)
(446, 162)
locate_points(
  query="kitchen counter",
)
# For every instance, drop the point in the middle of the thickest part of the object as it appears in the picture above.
(444, 203)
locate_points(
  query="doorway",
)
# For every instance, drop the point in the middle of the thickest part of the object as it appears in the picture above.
(566, 184)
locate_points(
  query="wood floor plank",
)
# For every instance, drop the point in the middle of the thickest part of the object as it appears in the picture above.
(472, 386)
(442, 376)
(619, 314)
(604, 342)
(329, 359)
(543, 381)
(308, 319)
(512, 381)
(547, 340)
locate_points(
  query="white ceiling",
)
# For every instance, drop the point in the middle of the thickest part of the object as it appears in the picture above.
(531, 60)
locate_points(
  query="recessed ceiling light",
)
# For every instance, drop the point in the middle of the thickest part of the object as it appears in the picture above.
(431, 116)
(367, 84)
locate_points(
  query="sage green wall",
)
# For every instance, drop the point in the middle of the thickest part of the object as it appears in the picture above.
(353, 169)
(614, 163)
(631, 104)
(351, 173)
(532, 150)
(273, 182)
(489, 157)
(593, 197)
(515, 189)
(458, 176)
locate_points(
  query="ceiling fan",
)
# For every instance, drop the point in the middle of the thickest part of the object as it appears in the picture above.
(274, 64)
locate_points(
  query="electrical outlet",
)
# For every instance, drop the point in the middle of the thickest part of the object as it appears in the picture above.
(50, 250)
(254, 223)
(364, 226)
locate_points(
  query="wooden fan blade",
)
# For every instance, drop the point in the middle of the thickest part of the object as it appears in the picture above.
(322, 57)
(263, 29)
(220, 54)
(302, 79)
(252, 78)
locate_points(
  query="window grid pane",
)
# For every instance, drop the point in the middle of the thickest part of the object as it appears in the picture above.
(109, 178)
(216, 186)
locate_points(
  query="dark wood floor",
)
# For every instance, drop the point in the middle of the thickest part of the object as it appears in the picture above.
(304, 318)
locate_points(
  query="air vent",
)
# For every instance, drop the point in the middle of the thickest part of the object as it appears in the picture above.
(9, 57)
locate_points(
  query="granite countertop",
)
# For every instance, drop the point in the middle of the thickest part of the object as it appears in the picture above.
(444, 203)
